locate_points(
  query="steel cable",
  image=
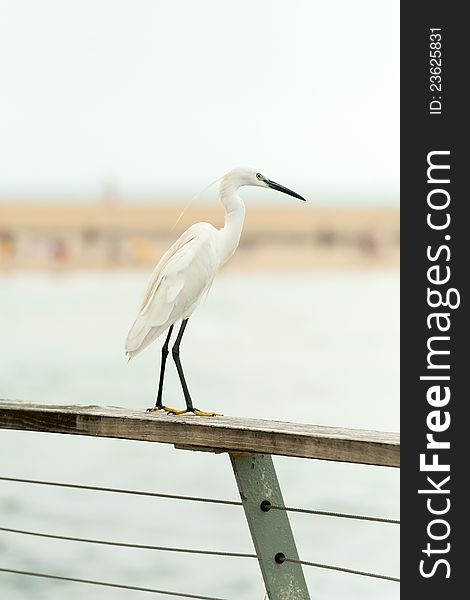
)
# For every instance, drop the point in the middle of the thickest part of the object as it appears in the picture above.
(280, 558)
(108, 584)
(121, 491)
(127, 545)
(266, 506)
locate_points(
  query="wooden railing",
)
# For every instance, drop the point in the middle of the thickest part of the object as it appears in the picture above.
(227, 434)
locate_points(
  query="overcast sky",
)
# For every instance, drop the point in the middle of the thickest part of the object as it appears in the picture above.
(163, 96)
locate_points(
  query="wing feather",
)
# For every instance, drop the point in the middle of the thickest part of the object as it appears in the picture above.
(177, 284)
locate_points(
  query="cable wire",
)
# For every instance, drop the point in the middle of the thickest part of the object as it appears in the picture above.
(127, 545)
(108, 584)
(268, 506)
(282, 559)
(121, 491)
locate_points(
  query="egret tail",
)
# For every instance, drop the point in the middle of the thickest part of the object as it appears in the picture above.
(138, 338)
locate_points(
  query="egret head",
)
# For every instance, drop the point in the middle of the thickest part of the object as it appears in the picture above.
(245, 175)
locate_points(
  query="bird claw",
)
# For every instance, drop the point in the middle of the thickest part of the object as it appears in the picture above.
(175, 411)
(195, 411)
(168, 409)
(202, 413)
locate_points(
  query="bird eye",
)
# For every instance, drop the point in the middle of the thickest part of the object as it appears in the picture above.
(259, 176)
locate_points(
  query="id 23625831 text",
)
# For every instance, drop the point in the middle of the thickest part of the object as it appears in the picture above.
(435, 70)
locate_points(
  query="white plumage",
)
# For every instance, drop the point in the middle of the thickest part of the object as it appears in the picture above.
(185, 273)
(177, 285)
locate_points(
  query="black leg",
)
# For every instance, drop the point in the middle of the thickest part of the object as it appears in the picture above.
(158, 403)
(176, 357)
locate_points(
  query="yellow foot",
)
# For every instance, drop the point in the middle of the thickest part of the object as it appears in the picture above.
(196, 411)
(175, 411)
(202, 413)
(168, 409)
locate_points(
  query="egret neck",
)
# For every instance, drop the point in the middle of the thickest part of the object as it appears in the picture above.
(234, 218)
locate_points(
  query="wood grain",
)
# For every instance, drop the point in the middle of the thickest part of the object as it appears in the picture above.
(220, 433)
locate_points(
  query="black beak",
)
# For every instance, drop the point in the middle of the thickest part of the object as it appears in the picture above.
(280, 188)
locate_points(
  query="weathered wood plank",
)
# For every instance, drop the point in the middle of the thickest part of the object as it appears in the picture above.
(222, 433)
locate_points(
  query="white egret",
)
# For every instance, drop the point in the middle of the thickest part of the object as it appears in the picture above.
(185, 272)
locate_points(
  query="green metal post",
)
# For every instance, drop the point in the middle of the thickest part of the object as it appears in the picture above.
(271, 531)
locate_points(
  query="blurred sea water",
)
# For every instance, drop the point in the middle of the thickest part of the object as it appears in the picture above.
(312, 346)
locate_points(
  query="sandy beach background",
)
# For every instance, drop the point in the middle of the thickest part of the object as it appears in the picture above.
(109, 234)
